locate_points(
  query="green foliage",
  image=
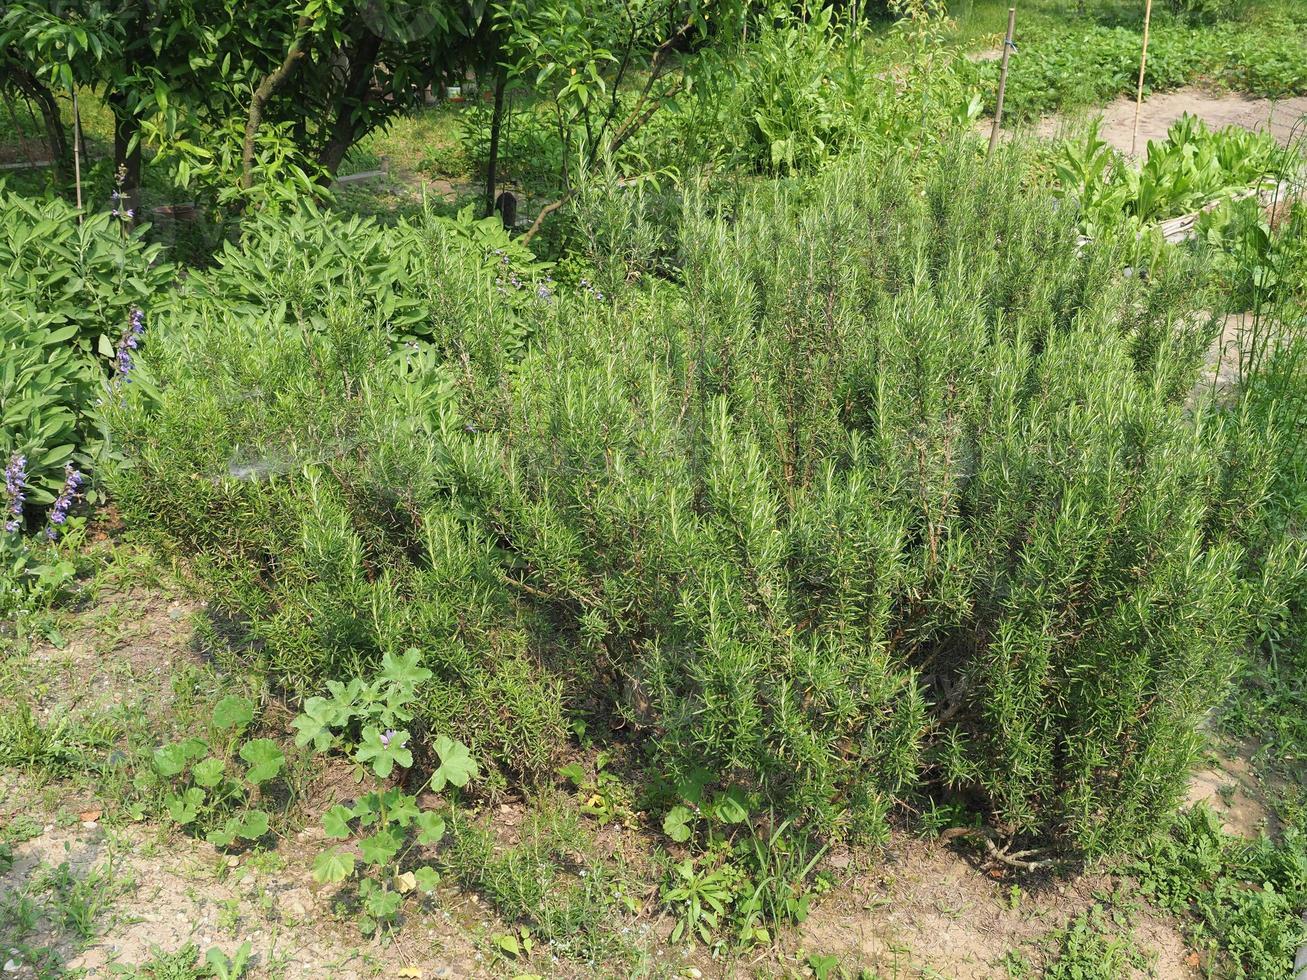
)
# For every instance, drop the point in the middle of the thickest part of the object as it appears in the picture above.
(1245, 896)
(603, 796)
(895, 487)
(550, 880)
(60, 746)
(394, 825)
(692, 538)
(1204, 11)
(738, 879)
(1091, 947)
(180, 76)
(203, 787)
(530, 152)
(1260, 265)
(806, 90)
(1192, 168)
(1065, 66)
(350, 718)
(341, 473)
(67, 291)
(224, 967)
(183, 964)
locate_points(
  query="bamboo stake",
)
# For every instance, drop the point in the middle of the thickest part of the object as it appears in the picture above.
(1143, 62)
(1002, 79)
(77, 154)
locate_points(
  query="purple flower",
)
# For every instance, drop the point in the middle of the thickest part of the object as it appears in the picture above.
(59, 512)
(386, 736)
(15, 482)
(543, 291)
(130, 341)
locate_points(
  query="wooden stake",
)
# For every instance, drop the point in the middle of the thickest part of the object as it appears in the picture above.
(1002, 79)
(77, 154)
(1143, 62)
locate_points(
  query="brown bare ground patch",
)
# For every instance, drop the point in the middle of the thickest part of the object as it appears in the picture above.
(926, 907)
(1162, 109)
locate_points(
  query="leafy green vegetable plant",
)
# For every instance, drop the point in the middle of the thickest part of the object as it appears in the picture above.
(1193, 168)
(387, 823)
(210, 784)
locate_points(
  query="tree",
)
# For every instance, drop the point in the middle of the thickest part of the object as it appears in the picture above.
(231, 91)
(46, 51)
(583, 53)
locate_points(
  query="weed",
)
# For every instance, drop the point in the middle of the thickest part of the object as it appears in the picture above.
(224, 967)
(1243, 897)
(1091, 947)
(77, 903)
(551, 881)
(229, 915)
(603, 796)
(396, 826)
(740, 880)
(183, 964)
(201, 787)
(61, 746)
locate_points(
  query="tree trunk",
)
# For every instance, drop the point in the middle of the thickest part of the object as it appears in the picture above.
(496, 119)
(345, 129)
(56, 136)
(126, 154)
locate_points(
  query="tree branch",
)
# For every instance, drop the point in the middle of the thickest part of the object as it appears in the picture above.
(263, 93)
(362, 63)
(545, 211)
(638, 116)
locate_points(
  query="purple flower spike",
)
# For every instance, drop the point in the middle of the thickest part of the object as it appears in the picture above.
(59, 512)
(15, 483)
(130, 341)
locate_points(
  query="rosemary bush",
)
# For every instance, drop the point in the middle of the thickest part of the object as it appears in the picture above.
(876, 490)
(298, 447)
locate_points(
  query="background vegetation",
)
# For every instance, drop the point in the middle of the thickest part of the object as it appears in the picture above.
(792, 472)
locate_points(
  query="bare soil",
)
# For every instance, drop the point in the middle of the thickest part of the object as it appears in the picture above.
(1162, 109)
(930, 908)
(922, 906)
